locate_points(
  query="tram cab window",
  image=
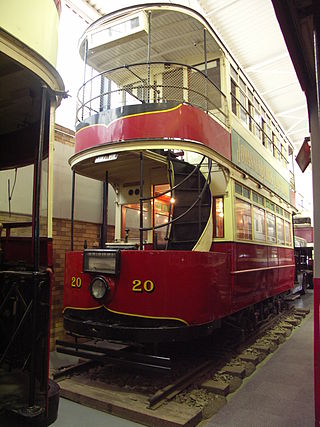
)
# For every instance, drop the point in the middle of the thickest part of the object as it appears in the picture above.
(243, 220)
(218, 216)
(130, 223)
(161, 209)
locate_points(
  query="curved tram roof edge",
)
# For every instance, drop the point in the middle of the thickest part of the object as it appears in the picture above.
(152, 144)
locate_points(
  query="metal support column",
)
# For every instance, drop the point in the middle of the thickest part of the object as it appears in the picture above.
(149, 56)
(36, 243)
(104, 224)
(141, 201)
(72, 207)
(314, 117)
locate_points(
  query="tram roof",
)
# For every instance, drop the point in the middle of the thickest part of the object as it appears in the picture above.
(249, 29)
(177, 35)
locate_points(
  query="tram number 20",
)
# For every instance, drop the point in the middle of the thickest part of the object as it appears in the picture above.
(146, 286)
(76, 282)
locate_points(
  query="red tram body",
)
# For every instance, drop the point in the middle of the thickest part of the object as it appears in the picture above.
(189, 148)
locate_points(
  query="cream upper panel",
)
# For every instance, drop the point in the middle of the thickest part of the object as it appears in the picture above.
(34, 23)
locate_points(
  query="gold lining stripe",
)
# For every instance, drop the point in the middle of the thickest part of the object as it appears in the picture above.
(261, 269)
(147, 317)
(81, 308)
(127, 314)
(130, 115)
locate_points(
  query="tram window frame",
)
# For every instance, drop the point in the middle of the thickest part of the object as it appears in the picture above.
(271, 237)
(218, 220)
(280, 230)
(287, 227)
(234, 100)
(251, 111)
(244, 233)
(258, 199)
(259, 227)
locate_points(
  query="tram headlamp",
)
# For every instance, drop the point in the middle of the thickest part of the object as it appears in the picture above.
(99, 288)
(101, 261)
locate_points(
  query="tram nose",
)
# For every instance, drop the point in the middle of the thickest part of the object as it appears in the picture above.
(103, 265)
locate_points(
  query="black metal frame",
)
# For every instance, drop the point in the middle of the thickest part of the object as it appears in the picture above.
(149, 331)
(25, 291)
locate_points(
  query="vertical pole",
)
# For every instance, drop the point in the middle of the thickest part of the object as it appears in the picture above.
(205, 51)
(36, 244)
(37, 180)
(149, 56)
(104, 213)
(101, 92)
(109, 95)
(205, 64)
(141, 201)
(314, 116)
(153, 207)
(84, 75)
(72, 207)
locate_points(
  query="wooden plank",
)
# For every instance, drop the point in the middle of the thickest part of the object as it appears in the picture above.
(247, 357)
(264, 348)
(218, 387)
(238, 371)
(131, 406)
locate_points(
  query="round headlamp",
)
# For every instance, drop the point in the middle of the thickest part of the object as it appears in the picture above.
(99, 288)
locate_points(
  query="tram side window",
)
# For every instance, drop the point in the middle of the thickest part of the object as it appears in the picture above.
(218, 217)
(287, 233)
(243, 220)
(280, 231)
(271, 227)
(259, 223)
(233, 97)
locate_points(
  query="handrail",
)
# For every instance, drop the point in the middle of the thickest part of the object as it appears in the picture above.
(200, 99)
(127, 66)
(208, 180)
(145, 199)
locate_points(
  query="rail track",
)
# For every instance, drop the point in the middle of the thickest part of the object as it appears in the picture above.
(198, 380)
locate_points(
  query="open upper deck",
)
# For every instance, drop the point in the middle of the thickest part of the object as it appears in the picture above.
(144, 58)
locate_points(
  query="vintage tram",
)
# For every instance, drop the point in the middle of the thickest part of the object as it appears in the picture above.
(30, 90)
(201, 179)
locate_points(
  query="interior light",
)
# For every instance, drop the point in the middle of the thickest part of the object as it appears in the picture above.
(172, 200)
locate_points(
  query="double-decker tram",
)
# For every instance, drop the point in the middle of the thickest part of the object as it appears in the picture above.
(30, 89)
(199, 167)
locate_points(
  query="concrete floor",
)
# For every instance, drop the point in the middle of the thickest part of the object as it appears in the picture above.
(279, 394)
(74, 415)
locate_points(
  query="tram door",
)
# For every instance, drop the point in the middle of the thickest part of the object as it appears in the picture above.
(155, 214)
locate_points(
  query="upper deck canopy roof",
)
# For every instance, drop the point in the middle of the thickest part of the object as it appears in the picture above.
(177, 35)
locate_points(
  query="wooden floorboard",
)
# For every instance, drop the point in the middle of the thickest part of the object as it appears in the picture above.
(131, 406)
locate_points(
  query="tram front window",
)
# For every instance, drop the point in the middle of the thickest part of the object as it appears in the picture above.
(131, 223)
(155, 213)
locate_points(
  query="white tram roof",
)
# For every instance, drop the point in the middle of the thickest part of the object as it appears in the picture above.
(177, 35)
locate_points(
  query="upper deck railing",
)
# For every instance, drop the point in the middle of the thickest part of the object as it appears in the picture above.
(154, 82)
